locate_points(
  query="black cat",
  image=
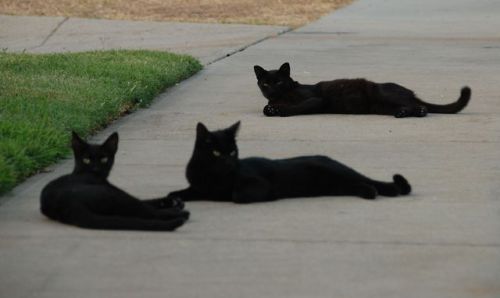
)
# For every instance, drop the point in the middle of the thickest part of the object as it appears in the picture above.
(86, 199)
(215, 173)
(345, 96)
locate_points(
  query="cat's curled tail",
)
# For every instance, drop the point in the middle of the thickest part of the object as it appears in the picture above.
(451, 108)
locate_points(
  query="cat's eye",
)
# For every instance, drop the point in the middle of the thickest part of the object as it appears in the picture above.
(104, 160)
(233, 153)
(265, 84)
(280, 83)
(86, 161)
(216, 153)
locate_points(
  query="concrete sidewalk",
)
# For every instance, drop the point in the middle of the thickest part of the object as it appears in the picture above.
(442, 241)
(207, 42)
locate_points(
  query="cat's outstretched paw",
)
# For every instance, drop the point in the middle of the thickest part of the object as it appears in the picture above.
(172, 213)
(402, 183)
(271, 111)
(402, 113)
(420, 111)
(367, 191)
(172, 202)
(184, 214)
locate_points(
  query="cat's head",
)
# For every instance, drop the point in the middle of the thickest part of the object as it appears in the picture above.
(274, 83)
(217, 147)
(93, 158)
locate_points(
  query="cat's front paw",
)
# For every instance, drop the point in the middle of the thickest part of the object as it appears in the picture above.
(184, 214)
(172, 201)
(271, 111)
(367, 192)
(420, 111)
(402, 113)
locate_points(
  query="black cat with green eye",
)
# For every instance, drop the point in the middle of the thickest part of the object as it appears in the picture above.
(216, 173)
(86, 199)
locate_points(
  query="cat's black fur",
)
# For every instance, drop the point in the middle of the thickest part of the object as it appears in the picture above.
(215, 173)
(344, 96)
(86, 199)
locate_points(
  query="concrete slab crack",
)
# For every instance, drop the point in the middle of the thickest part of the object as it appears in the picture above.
(241, 49)
(51, 33)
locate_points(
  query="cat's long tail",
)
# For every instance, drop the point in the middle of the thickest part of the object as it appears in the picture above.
(399, 186)
(451, 108)
(86, 219)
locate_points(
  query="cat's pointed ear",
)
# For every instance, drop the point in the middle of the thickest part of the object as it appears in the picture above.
(111, 143)
(259, 72)
(77, 143)
(202, 132)
(233, 129)
(285, 69)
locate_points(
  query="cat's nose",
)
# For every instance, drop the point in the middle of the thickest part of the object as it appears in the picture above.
(228, 161)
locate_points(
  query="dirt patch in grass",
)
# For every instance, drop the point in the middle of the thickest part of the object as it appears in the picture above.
(291, 13)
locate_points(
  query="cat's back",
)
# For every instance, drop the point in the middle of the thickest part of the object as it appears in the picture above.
(343, 86)
(314, 163)
(56, 185)
(306, 160)
(265, 166)
(270, 164)
(255, 164)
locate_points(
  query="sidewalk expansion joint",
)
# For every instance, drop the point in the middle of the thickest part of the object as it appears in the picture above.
(352, 242)
(51, 33)
(323, 32)
(241, 49)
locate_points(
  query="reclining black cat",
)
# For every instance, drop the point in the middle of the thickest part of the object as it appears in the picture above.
(344, 96)
(215, 173)
(86, 199)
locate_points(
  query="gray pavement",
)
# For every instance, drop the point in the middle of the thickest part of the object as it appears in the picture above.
(207, 42)
(442, 241)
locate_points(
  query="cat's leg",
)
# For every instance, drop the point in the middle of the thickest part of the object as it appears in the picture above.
(361, 189)
(312, 105)
(170, 213)
(411, 111)
(148, 209)
(81, 216)
(188, 194)
(158, 203)
(399, 111)
(399, 186)
(384, 109)
(387, 189)
(165, 203)
(420, 111)
(358, 189)
(250, 190)
(393, 110)
(403, 112)
(270, 111)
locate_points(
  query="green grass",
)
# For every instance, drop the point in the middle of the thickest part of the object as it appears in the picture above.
(44, 97)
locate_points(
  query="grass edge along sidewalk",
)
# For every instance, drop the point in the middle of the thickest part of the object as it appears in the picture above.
(45, 96)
